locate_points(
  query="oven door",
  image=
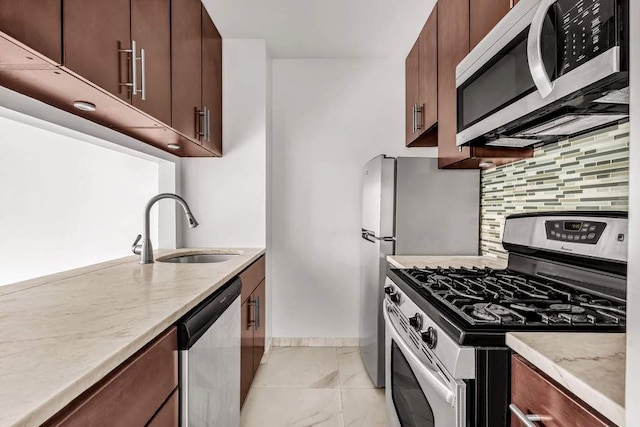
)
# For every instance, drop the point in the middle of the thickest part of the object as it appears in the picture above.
(417, 393)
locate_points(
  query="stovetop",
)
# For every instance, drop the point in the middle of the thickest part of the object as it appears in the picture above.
(479, 306)
(484, 296)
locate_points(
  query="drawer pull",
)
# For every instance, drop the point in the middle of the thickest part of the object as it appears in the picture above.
(528, 420)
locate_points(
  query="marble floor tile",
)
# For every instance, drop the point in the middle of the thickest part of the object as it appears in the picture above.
(364, 408)
(299, 367)
(353, 373)
(290, 407)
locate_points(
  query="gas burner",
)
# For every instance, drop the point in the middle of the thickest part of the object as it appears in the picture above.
(573, 309)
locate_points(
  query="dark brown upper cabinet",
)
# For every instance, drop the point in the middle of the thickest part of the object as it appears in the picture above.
(123, 46)
(36, 23)
(211, 84)
(422, 87)
(118, 55)
(186, 75)
(95, 36)
(454, 43)
(151, 30)
(197, 74)
(485, 14)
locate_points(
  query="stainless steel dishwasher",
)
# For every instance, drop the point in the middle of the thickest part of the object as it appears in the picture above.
(209, 342)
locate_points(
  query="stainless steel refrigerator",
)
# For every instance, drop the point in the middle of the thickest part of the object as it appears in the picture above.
(409, 207)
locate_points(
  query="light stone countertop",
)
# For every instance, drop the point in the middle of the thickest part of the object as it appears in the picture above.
(591, 366)
(62, 333)
(410, 261)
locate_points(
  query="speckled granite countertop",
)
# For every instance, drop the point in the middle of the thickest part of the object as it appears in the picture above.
(591, 366)
(410, 261)
(62, 333)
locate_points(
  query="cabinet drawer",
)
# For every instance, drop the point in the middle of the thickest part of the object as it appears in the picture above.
(533, 393)
(132, 393)
(251, 277)
(167, 416)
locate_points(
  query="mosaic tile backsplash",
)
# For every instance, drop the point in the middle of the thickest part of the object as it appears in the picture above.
(590, 172)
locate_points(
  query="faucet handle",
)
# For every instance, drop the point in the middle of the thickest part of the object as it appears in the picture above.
(136, 248)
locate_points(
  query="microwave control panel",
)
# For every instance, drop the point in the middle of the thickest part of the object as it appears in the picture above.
(586, 28)
(588, 232)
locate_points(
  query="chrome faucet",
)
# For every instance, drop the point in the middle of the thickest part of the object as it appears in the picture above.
(145, 250)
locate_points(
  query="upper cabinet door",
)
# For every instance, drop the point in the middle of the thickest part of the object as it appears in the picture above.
(211, 84)
(151, 30)
(484, 15)
(95, 32)
(35, 23)
(412, 77)
(428, 95)
(186, 59)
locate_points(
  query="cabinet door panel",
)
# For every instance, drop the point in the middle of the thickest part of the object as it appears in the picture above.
(212, 82)
(94, 32)
(534, 393)
(453, 46)
(412, 70)
(36, 23)
(251, 277)
(259, 297)
(484, 15)
(186, 60)
(246, 350)
(428, 93)
(132, 393)
(151, 29)
(167, 415)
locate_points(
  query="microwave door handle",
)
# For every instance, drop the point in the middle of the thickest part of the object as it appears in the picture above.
(534, 50)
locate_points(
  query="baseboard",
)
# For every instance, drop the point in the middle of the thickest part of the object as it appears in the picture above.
(314, 342)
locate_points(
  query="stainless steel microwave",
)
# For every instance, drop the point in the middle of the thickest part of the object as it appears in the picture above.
(548, 70)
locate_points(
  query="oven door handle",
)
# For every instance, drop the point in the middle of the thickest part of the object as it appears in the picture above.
(534, 50)
(424, 373)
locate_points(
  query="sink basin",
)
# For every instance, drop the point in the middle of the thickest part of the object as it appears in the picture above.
(198, 258)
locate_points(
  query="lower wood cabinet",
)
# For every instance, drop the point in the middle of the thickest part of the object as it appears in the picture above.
(533, 393)
(142, 391)
(252, 323)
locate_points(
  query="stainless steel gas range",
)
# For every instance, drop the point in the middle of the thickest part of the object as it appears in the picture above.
(446, 359)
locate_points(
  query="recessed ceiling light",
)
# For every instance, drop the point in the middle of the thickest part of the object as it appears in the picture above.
(84, 106)
(174, 146)
(486, 164)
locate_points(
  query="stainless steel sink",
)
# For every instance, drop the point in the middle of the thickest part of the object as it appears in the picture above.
(198, 258)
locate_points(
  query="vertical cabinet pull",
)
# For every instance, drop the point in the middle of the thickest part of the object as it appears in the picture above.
(143, 75)
(413, 112)
(252, 314)
(134, 58)
(204, 123)
(420, 117)
(510, 4)
(257, 318)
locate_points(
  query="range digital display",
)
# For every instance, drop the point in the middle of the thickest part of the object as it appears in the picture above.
(572, 226)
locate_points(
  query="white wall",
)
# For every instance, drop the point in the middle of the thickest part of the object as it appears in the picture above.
(66, 203)
(228, 195)
(329, 117)
(633, 291)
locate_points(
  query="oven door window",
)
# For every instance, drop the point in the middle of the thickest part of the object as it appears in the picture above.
(506, 78)
(411, 405)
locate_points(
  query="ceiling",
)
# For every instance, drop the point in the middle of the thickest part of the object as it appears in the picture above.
(324, 28)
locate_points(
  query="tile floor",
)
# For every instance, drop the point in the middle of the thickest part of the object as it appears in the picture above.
(313, 386)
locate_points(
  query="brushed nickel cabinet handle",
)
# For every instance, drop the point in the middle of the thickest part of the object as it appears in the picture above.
(134, 77)
(257, 318)
(202, 129)
(510, 4)
(252, 319)
(420, 117)
(529, 420)
(143, 80)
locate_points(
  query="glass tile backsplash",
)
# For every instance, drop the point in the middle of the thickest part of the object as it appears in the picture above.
(590, 172)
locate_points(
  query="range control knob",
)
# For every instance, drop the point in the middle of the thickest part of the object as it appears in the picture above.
(388, 290)
(430, 337)
(416, 322)
(395, 297)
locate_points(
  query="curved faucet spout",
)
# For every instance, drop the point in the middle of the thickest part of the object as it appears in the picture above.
(145, 250)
